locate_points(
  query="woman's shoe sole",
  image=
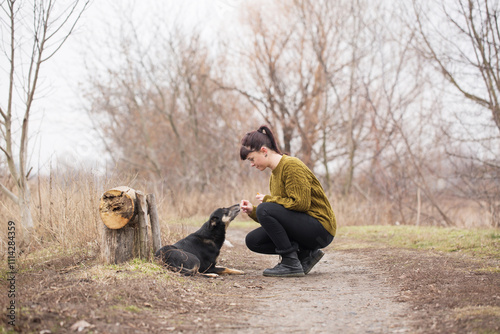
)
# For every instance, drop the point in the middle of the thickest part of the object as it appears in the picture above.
(301, 274)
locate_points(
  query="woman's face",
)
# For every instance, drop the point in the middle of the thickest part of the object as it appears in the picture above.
(258, 160)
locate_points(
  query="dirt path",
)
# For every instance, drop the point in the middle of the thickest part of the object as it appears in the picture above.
(344, 293)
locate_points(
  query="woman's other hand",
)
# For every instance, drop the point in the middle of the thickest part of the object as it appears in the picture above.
(259, 197)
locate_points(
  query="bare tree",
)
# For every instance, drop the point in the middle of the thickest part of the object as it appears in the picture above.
(34, 34)
(331, 76)
(347, 111)
(340, 81)
(465, 47)
(161, 113)
(462, 40)
(282, 79)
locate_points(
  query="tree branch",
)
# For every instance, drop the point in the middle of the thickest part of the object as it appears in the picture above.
(9, 194)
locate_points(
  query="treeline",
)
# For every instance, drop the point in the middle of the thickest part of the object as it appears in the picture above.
(393, 105)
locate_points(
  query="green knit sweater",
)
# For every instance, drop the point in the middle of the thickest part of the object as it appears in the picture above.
(294, 186)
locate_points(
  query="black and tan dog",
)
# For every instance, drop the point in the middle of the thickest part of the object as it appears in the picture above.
(198, 252)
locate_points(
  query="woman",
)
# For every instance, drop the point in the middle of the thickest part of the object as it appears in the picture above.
(296, 218)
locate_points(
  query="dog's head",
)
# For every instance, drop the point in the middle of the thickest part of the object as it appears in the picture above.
(224, 215)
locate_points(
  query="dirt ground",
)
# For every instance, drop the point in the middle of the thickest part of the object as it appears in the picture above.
(352, 290)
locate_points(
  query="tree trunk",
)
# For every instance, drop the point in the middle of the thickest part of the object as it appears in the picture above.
(124, 212)
(26, 217)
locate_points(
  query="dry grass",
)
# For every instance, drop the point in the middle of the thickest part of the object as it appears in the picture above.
(65, 209)
(355, 211)
(66, 216)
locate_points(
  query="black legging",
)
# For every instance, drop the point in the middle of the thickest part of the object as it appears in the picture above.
(281, 227)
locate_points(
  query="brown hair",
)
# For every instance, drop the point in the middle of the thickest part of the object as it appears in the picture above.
(253, 141)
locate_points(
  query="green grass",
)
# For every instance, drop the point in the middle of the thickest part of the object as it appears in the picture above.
(128, 308)
(475, 242)
(135, 268)
(477, 311)
(133, 309)
(146, 267)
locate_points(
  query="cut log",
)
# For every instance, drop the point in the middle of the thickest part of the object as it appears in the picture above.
(119, 245)
(124, 212)
(117, 207)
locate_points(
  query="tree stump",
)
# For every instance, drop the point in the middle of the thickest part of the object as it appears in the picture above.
(124, 212)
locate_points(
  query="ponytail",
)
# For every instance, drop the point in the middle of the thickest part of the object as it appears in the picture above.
(264, 129)
(253, 141)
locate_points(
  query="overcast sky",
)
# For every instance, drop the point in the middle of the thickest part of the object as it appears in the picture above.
(61, 131)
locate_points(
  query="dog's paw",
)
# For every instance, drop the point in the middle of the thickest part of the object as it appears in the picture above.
(211, 275)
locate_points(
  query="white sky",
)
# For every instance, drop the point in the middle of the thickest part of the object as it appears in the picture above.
(61, 131)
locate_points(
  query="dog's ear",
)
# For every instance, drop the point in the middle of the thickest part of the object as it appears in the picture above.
(213, 221)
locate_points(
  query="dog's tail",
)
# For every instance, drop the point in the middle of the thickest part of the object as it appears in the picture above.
(178, 260)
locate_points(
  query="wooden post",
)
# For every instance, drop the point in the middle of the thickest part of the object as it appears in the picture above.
(142, 214)
(155, 223)
(124, 212)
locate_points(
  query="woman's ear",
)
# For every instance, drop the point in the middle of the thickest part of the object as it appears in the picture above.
(264, 151)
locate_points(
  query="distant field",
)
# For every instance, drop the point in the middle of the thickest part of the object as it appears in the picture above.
(475, 242)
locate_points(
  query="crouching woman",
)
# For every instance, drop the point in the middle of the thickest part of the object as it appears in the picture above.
(296, 218)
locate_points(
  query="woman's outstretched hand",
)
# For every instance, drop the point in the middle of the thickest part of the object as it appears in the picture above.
(246, 206)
